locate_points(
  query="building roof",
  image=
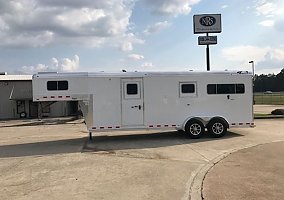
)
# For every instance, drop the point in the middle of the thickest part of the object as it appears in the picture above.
(15, 77)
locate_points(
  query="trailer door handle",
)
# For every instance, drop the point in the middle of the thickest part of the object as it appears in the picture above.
(139, 107)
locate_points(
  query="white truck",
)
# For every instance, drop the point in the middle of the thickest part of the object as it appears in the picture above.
(187, 101)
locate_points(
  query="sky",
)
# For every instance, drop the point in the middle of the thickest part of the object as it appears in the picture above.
(138, 35)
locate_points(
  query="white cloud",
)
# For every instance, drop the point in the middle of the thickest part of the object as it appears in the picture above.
(266, 8)
(157, 27)
(65, 65)
(265, 58)
(224, 6)
(147, 65)
(136, 56)
(267, 23)
(171, 7)
(39, 23)
(127, 41)
(244, 53)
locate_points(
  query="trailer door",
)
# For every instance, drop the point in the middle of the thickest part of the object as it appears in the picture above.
(132, 101)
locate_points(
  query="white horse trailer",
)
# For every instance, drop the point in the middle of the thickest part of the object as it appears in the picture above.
(186, 101)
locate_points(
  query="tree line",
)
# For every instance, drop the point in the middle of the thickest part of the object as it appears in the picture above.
(270, 82)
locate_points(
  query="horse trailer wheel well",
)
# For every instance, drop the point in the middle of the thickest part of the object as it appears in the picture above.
(219, 119)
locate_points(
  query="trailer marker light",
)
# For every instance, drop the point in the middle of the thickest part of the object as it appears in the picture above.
(158, 125)
(94, 127)
(102, 127)
(233, 124)
(252, 123)
(151, 126)
(174, 125)
(59, 96)
(166, 125)
(117, 127)
(52, 97)
(241, 123)
(247, 123)
(67, 96)
(44, 97)
(109, 127)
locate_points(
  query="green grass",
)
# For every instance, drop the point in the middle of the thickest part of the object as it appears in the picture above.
(269, 99)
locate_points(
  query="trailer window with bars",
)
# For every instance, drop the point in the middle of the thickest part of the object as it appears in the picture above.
(225, 89)
(187, 89)
(57, 85)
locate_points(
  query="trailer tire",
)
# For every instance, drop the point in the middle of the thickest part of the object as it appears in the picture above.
(194, 129)
(23, 115)
(217, 128)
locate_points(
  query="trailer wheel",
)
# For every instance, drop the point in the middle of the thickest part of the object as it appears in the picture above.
(194, 129)
(23, 115)
(217, 128)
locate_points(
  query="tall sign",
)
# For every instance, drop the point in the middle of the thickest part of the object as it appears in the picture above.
(207, 23)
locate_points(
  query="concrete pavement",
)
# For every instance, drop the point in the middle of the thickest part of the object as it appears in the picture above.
(252, 173)
(58, 162)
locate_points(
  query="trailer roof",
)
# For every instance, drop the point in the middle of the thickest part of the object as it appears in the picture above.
(15, 77)
(134, 74)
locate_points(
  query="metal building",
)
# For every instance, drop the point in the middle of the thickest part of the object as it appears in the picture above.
(16, 100)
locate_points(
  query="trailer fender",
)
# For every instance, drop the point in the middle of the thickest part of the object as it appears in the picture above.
(193, 118)
(219, 118)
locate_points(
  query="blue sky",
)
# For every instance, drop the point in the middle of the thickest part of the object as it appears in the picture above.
(138, 35)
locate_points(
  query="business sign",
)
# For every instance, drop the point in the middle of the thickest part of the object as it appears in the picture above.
(207, 40)
(207, 23)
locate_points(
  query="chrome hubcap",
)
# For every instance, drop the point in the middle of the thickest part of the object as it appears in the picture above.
(217, 128)
(195, 129)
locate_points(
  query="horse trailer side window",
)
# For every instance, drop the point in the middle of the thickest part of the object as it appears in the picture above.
(225, 89)
(132, 89)
(212, 89)
(62, 85)
(240, 88)
(187, 89)
(57, 85)
(51, 85)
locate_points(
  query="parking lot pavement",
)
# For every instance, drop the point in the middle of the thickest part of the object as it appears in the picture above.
(252, 173)
(58, 162)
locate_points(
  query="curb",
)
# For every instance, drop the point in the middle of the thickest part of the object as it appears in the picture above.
(196, 185)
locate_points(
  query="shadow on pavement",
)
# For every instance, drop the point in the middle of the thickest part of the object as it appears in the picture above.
(42, 148)
(47, 121)
(142, 141)
(103, 143)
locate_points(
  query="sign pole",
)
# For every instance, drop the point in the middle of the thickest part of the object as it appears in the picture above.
(207, 55)
(207, 23)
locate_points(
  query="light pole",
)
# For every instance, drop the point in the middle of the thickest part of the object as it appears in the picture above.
(252, 65)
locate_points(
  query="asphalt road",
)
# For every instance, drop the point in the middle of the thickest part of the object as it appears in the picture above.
(56, 161)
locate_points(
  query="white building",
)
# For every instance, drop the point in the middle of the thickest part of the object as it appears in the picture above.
(16, 100)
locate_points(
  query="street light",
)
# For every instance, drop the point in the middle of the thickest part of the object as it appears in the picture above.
(252, 65)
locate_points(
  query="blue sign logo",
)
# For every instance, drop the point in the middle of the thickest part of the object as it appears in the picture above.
(207, 21)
